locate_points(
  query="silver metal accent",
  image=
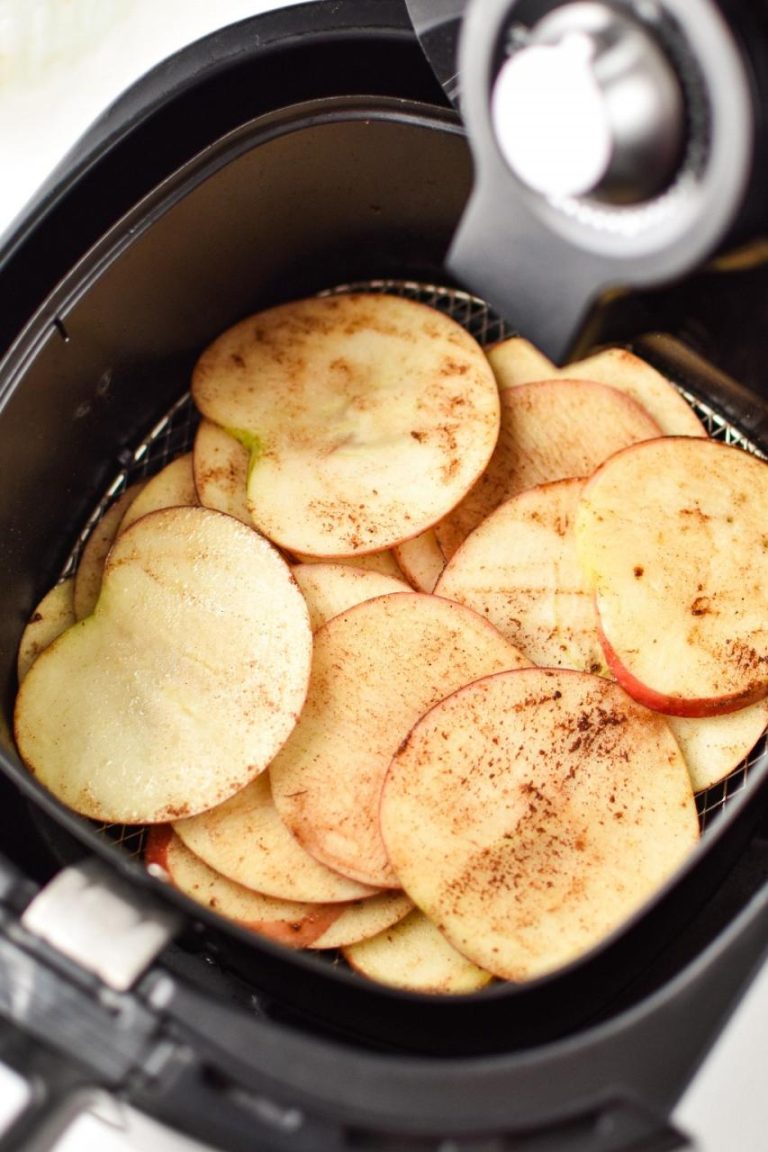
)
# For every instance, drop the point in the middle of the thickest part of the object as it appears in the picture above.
(98, 920)
(588, 103)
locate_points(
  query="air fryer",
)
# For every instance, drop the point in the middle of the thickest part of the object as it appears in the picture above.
(305, 151)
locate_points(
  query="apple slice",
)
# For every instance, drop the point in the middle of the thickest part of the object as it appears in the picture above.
(367, 418)
(363, 919)
(382, 563)
(714, 745)
(91, 566)
(532, 812)
(173, 486)
(376, 669)
(671, 535)
(332, 588)
(550, 430)
(183, 683)
(293, 923)
(421, 559)
(515, 361)
(658, 396)
(245, 840)
(414, 954)
(53, 615)
(519, 569)
(220, 469)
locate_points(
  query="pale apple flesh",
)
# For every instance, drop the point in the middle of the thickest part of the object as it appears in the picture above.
(671, 536)
(182, 684)
(516, 361)
(52, 616)
(422, 560)
(364, 919)
(330, 589)
(531, 813)
(713, 746)
(367, 418)
(220, 469)
(550, 430)
(519, 569)
(90, 568)
(172, 486)
(416, 956)
(376, 669)
(294, 924)
(245, 840)
(382, 563)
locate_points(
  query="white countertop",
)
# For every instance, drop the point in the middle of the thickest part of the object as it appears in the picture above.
(62, 62)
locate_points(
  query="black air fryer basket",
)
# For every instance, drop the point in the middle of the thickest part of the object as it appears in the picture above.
(306, 151)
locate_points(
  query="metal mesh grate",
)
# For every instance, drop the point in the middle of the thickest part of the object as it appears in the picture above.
(174, 434)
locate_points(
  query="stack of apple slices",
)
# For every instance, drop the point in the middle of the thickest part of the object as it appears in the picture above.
(531, 604)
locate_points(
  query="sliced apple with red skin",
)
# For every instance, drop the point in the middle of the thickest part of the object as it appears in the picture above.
(90, 568)
(519, 569)
(714, 745)
(367, 418)
(333, 588)
(550, 430)
(182, 684)
(532, 812)
(365, 918)
(173, 486)
(376, 668)
(671, 536)
(245, 840)
(220, 469)
(515, 361)
(623, 370)
(415, 955)
(52, 616)
(292, 923)
(421, 560)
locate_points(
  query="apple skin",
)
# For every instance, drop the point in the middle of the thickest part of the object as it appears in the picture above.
(293, 924)
(367, 417)
(690, 707)
(670, 534)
